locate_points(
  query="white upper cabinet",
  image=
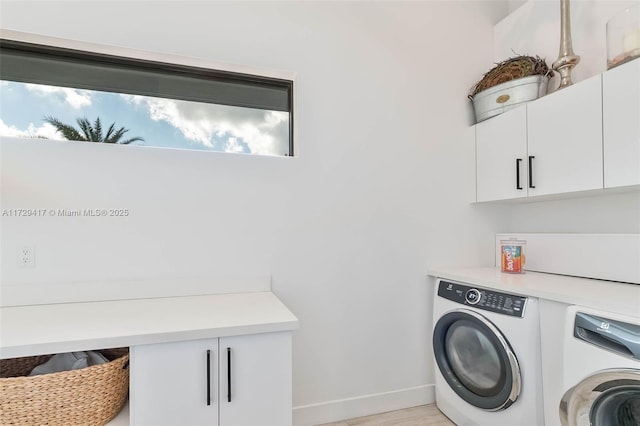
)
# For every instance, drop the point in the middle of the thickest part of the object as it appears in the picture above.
(501, 153)
(582, 138)
(564, 132)
(621, 122)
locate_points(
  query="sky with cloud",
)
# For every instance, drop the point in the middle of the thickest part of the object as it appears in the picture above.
(161, 122)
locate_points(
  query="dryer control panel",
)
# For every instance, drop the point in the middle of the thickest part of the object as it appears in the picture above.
(480, 298)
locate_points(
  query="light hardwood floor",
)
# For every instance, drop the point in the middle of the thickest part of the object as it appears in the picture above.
(423, 415)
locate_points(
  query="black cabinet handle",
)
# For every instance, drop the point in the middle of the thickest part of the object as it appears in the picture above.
(208, 377)
(531, 185)
(229, 374)
(518, 160)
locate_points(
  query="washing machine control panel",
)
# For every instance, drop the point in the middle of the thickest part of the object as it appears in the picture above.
(488, 300)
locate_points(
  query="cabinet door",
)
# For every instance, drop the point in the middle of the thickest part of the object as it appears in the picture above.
(257, 389)
(565, 139)
(621, 121)
(169, 383)
(501, 153)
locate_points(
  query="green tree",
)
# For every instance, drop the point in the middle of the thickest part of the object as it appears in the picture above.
(91, 133)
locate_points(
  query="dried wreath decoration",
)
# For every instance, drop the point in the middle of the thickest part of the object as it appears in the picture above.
(511, 69)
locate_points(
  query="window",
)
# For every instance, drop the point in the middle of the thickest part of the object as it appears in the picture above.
(59, 93)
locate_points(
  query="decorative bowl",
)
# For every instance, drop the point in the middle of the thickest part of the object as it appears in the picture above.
(508, 95)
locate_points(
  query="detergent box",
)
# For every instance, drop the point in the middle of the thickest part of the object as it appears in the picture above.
(512, 253)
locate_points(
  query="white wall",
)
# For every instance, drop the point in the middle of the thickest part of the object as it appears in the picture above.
(347, 228)
(514, 4)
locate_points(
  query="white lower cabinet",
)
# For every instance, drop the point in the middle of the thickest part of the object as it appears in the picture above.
(168, 383)
(260, 377)
(238, 380)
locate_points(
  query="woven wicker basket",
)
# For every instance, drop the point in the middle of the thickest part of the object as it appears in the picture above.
(87, 396)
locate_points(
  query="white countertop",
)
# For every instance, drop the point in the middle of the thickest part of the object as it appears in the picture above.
(65, 327)
(606, 295)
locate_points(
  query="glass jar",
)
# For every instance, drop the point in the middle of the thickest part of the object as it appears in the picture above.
(623, 37)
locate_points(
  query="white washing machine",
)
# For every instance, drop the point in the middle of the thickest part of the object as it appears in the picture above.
(486, 346)
(601, 369)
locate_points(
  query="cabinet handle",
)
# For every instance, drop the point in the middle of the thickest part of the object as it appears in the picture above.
(229, 374)
(518, 160)
(531, 185)
(208, 377)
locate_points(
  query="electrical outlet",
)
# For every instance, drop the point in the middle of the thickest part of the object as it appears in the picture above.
(26, 256)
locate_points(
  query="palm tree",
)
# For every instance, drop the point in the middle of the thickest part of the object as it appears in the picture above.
(91, 133)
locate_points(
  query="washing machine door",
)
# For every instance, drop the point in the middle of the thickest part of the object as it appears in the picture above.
(476, 360)
(607, 398)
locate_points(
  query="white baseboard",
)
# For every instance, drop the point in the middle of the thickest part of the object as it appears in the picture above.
(332, 411)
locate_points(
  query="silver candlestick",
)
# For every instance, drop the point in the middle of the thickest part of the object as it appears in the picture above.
(566, 58)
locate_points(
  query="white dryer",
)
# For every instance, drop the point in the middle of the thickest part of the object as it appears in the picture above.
(486, 346)
(601, 369)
